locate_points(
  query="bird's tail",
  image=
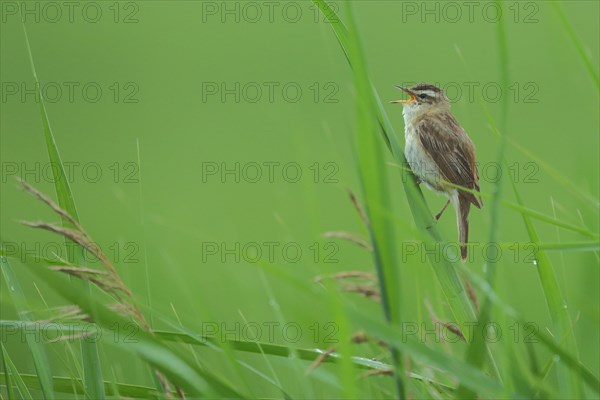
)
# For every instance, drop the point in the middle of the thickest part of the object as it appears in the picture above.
(462, 206)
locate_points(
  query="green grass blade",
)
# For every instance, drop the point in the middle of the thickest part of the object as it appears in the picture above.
(186, 337)
(557, 305)
(10, 368)
(308, 391)
(38, 352)
(557, 175)
(577, 368)
(65, 385)
(171, 362)
(17, 255)
(373, 174)
(189, 337)
(570, 246)
(269, 349)
(585, 58)
(339, 29)
(572, 362)
(476, 351)
(474, 379)
(7, 378)
(280, 351)
(529, 213)
(481, 285)
(61, 182)
(89, 350)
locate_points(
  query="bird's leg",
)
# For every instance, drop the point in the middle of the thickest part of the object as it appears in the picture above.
(438, 215)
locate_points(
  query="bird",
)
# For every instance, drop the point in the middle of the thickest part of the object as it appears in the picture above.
(439, 152)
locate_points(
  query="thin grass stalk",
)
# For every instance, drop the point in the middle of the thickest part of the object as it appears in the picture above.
(581, 51)
(173, 362)
(557, 305)
(11, 370)
(37, 349)
(109, 282)
(562, 324)
(89, 349)
(476, 352)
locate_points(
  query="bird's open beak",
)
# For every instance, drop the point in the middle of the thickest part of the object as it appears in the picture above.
(411, 95)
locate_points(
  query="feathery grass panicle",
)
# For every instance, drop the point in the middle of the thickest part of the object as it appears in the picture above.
(349, 236)
(108, 281)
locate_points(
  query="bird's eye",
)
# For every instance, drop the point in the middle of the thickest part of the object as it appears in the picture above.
(422, 96)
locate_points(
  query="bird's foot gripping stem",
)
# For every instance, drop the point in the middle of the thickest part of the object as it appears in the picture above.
(438, 215)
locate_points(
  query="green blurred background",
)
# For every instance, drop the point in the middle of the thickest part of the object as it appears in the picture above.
(156, 128)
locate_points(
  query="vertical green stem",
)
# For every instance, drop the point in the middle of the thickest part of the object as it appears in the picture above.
(94, 386)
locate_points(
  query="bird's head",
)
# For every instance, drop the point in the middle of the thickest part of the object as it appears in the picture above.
(423, 98)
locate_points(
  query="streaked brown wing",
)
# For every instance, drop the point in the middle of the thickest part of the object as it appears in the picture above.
(451, 149)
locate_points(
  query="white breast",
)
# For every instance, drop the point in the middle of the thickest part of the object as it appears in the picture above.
(420, 162)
